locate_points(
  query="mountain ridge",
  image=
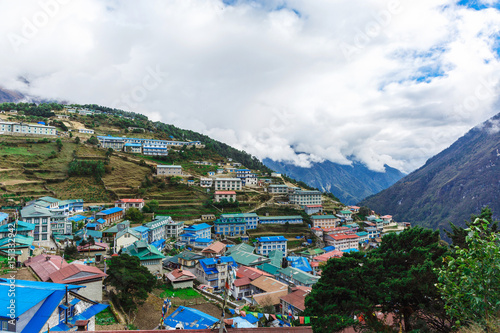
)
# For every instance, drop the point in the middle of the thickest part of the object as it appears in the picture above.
(349, 183)
(451, 185)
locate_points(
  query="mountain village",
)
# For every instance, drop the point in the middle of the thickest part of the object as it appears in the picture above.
(239, 260)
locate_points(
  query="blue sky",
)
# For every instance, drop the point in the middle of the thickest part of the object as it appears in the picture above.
(297, 81)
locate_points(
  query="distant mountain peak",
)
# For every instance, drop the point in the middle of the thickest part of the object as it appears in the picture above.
(349, 183)
(452, 185)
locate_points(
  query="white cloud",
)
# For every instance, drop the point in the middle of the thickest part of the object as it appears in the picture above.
(303, 81)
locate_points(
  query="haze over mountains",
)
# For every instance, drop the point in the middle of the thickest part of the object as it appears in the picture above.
(13, 96)
(452, 185)
(349, 183)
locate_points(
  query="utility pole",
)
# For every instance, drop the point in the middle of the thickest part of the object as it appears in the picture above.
(229, 282)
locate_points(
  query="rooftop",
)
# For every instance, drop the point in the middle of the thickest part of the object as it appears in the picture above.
(76, 273)
(44, 265)
(297, 297)
(111, 211)
(272, 239)
(290, 217)
(269, 284)
(216, 247)
(130, 200)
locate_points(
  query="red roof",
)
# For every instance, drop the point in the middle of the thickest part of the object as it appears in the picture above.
(225, 192)
(130, 200)
(314, 206)
(69, 274)
(328, 255)
(241, 282)
(93, 247)
(340, 237)
(297, 297)
(216, 248)
(251, 273)
(43, 265)
(178, 275)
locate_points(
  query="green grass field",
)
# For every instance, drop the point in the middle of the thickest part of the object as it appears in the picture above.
(187, 293)
(105, 317)
(15, 151)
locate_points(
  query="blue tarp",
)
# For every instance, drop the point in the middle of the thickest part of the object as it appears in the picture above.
(190, 318)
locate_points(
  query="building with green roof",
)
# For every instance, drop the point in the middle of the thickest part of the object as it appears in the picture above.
(240, 247)
(149, 256)
(230, 227)
(20, 247)
(251, 219)
(294, 219)
(18, 228)
(296, 276)
(248, 259)
(269, 268)
(276, 256)
(309, 253)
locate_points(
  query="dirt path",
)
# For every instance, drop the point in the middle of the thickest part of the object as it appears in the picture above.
(20, 181)
(261, 205)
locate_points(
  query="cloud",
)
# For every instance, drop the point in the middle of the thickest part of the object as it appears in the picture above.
(299, 81)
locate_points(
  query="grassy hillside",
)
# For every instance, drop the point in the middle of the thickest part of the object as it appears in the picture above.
(33, 167)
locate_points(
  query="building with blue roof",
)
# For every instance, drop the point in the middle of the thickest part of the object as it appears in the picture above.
(189, 319)
(300, 263)
(77, 218)
(142, 146)
(92, 226)
(265, 245)
(201, 230)
(85, 234)
(144, 231)
(40, 306)
(159, 244)
(111, 215)
(214, 271)
(134, 148)
(244, 322)
(72, 205)
(329, 248)
(201, 243)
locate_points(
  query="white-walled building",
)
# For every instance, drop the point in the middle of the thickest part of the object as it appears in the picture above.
(169, 170)
(304, 198)
(206, 182)
(25, 128)
(265, 245)
(228, 184)
(227, 195)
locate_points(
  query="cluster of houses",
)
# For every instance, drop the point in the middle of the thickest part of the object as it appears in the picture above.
(225, 188)
(143, 146)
